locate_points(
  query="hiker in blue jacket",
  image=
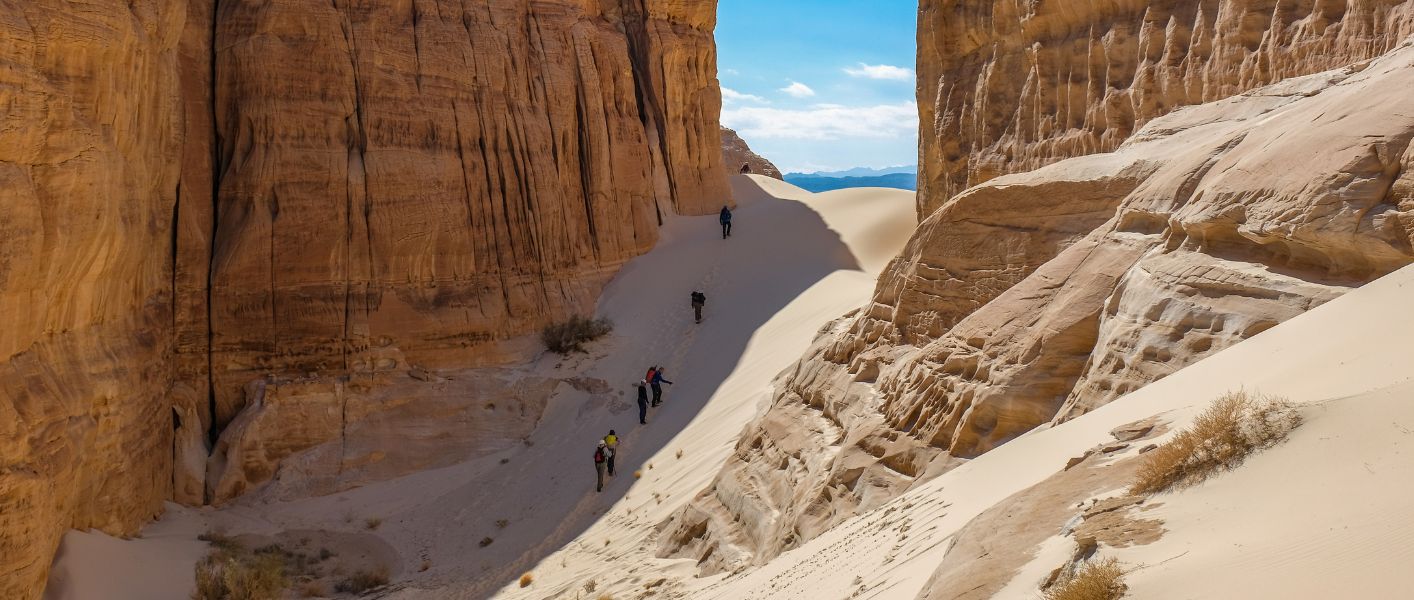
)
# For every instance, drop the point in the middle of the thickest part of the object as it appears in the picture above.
(726, 219)
(657, 383)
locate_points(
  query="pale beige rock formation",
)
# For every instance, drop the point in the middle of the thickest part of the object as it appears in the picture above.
(1007, 86)
(1040, 296)
(738, 157)
(199, 195)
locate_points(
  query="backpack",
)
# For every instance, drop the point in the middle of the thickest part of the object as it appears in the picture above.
(599, 455)
(699, 298)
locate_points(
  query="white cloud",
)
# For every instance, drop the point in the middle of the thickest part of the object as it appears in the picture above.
(731, 72)
(798, 89)
(825, 122)
(886, 72)
(731, 95)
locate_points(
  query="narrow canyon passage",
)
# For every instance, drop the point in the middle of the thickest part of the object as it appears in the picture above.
(795, 260)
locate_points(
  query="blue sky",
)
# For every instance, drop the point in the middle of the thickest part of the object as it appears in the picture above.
(821, 84)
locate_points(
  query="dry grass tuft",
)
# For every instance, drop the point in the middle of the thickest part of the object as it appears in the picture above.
(570, 336)
(1235, 426)
(1103, 580)
(527, 579)
(235, 574)
(312, 589)
(638, 474)
(372, 523)
(362, 581)
(486, 541)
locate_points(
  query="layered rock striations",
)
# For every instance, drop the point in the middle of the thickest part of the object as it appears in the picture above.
(431, 177)
(199, 195)
(1036, 297)
(1005, 87)
(739, 158)
(90, 140)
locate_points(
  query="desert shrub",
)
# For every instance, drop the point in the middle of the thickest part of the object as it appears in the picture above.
(1234, 427)
(225, 575)
(220, 541)
(571, 335)
(312, 589)
(362, 581)
(1103, 580)
(372, 523)
(527, 579)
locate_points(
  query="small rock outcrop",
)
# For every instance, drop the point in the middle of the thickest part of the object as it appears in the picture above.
(739, 158)
(1036, 297)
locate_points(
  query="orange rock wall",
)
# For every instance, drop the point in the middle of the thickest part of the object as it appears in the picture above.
(90, 132)
(434, 176)
(1006, 86)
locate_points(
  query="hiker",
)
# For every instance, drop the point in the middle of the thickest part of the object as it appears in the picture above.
(611, 442)
(642, 402)
(698, 301)
(726, 219)
(601, 456)
(657, 382)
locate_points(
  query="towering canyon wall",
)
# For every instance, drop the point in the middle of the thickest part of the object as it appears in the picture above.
(1006, 87)
(89, 168)
(1035, 297)
(199, 194)
(405, 182)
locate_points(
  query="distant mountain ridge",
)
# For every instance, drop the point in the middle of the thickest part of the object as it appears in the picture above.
(821, 182)
(860, 172)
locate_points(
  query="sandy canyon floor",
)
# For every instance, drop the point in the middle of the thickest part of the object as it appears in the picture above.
(1323, 515)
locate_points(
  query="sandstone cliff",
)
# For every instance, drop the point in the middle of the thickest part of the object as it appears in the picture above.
(1039, 296)
(738, 157)
(91, 133)
(430, 178)
(203, 194)
(1005, 87)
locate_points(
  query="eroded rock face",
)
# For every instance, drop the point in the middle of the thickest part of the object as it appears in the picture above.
(1036, 297)
(198, 195)
(89, 136)
(738, 157)
(1010, 86)
(317, 436)
(438, 176)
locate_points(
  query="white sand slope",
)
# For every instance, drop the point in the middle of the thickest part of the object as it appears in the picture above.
(795, 262)
(1324, 515)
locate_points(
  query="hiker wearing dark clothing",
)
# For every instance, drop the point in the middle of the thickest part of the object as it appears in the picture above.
(698, 301)
(726, 220)
(642, 403)
(601, 458)
(657, 383)
(611, 442)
